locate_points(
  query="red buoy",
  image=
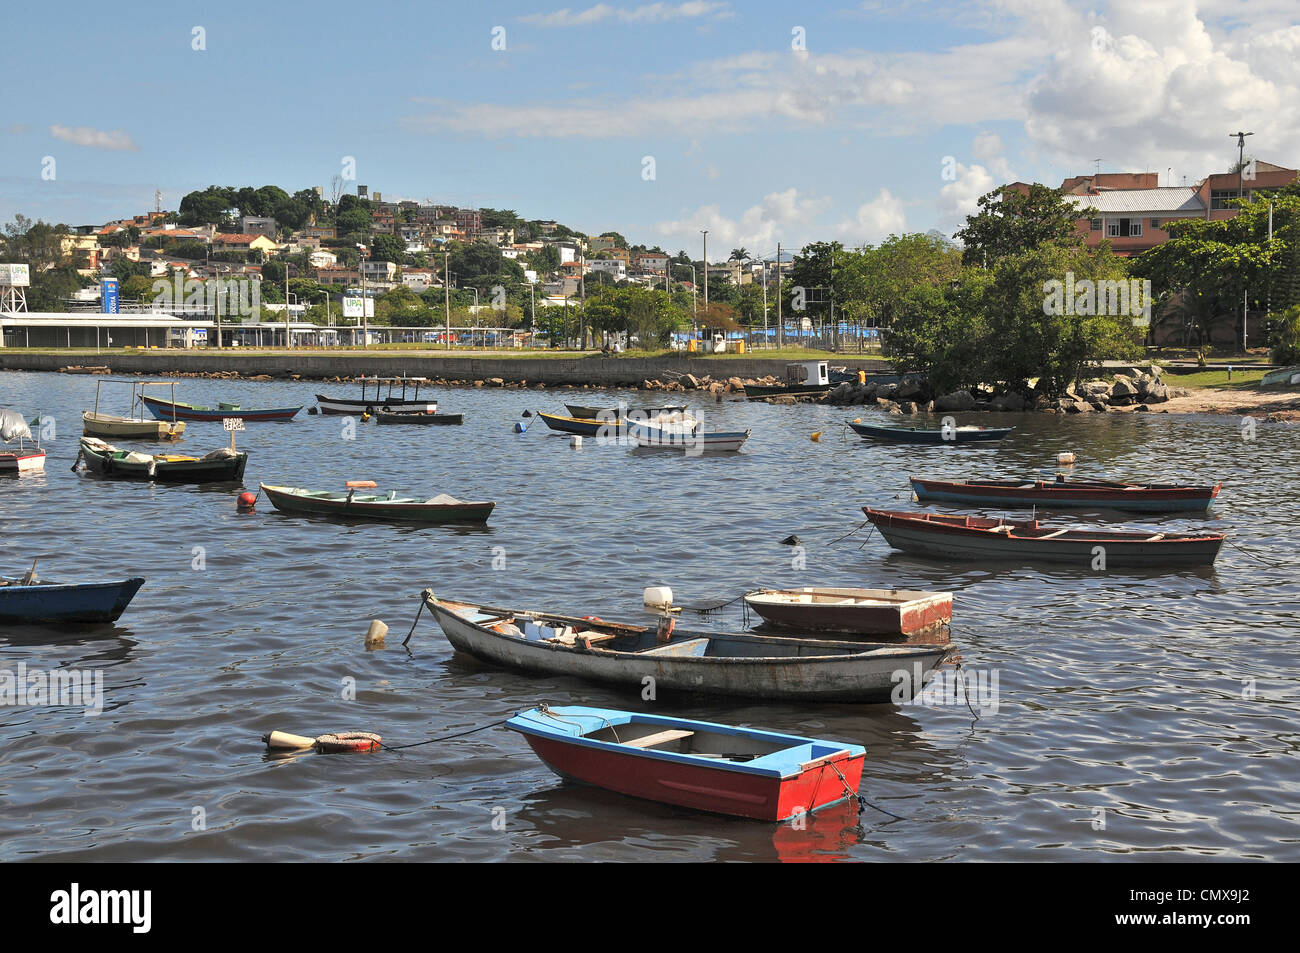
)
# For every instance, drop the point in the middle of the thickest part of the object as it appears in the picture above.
(246, 502)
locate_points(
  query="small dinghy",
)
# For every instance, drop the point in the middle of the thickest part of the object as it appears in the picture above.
(219, 466)
(896, 612)
(1062, 493)
(715, 663)
(925, 435)
(26, 600)
(613, 413)
(22, 459)
(390, 507)
(742, 772)
(419, 417)
(175, 410)
(976, 540)
(692, 441)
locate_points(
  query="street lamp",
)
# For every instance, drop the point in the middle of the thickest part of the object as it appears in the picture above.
(361, 266)
(1241, 157)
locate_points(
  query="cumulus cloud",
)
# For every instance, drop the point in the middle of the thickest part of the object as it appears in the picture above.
(873, 221)
(960, 197)
(781, 216)
(95, 138)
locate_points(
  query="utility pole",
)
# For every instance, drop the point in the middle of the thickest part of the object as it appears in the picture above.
(361, 265)
(1241, 158)
(288, 341)
(764, 302)
(705, 233)
(446, 289)
(780, 321)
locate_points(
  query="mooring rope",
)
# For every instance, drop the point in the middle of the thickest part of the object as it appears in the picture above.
(458, 734)
(862, 801)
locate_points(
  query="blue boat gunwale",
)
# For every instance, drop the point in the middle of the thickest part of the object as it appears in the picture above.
(29, 603)
(781, 765)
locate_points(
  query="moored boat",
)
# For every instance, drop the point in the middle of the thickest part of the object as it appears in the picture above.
(174, 409)
(979, 539)
(1064, 493)
(1282, 377)
(608, 425)
(965, 434)
(219, 466)
(22, 459)
(613, 413)
(802, 379)
(743, 772)
(756, 666)
(692, 441)
(132, 426)
(894, 612)
(390, 507)
(368, 403)
(419, 417)
(36, 603)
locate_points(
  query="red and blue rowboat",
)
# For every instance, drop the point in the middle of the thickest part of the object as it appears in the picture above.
(43, 603)
(1063, 493)
(978, 540)
(165, 409)
(722, 769)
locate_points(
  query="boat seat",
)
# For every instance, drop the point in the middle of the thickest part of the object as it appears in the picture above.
(658, 738)
(571, 638)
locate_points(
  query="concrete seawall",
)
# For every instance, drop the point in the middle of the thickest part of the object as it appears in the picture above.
(607, 371)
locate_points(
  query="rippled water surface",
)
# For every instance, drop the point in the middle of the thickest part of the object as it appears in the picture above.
(1163, 706)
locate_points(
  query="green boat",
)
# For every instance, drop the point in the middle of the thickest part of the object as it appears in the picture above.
(1282, 377)
(107, 460)
(390, 507)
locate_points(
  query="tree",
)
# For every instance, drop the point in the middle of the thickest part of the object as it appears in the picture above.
(1285, 337)
(1011, 222)
(388, 248)
(546, 260)
(212, 206)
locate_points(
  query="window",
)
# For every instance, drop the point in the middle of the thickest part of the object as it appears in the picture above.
(1095, 224)
(1219, 198)
(1155, 223)
(1124, 228)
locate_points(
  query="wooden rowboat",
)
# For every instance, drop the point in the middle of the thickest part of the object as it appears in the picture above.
(611, 426)
(107, 460)
(1282, 377)
(926, 435)
(976, 539)
(689, 440)
(43, 603)
(390, 401)
(895, 612)
(390, 507)
(1063, 493)
(701, 765)
(95, 423)
(417, 417)
(745, 665)
(613, 413)
(171, 409)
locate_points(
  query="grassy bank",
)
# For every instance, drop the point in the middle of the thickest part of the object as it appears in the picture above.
(1216, 380)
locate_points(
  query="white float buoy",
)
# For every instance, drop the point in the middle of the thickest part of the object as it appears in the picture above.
(657, 597)
(376, 633)
(575, 442)
(1065, 457)
(284, 741)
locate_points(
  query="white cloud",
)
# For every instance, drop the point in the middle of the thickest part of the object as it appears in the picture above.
(646, 13)
(95, 138)
(785, 216)
(960, 197)
(875, 220)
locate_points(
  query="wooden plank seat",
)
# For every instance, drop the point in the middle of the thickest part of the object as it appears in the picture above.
(658, 738)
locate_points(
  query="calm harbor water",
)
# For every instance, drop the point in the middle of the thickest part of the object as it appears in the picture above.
(1128, 715)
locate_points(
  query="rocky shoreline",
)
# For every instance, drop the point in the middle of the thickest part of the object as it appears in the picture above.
(1129, 391)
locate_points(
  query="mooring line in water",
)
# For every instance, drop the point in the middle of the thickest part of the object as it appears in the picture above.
(862, 801)
(415, 620)
(1258, 558)
(458, 734)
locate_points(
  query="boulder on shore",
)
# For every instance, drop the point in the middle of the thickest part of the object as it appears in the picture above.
(958, 400)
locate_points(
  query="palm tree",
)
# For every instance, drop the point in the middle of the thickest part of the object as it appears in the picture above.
(739, 254)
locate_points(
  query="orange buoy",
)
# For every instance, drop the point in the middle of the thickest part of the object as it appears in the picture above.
(347, 741)
(246, 502)
(361, 484)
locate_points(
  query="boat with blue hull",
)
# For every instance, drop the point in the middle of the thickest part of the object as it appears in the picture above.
(723, 769)
(38, 603)
(1069, 494)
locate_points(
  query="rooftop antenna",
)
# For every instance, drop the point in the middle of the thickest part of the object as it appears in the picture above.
(1096, 167)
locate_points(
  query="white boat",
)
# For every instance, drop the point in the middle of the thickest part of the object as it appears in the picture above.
(24, 459)
(387, 402)
(691, 440)
(133, 426)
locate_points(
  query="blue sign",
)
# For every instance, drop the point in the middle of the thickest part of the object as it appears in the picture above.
(108, 294)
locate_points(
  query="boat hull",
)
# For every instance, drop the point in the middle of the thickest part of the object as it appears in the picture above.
(1047, 495)
(433, 420)
(919, 435)
(865, 676)
(694, 442)
(922, 613)
(1082, 548)
(1282, 377)
(760, 391)
(162, 409)
(339, 406)
(22, 461)
(702, 788)
(45, 604)
(112, 464)
(468, 512)
(123, 428)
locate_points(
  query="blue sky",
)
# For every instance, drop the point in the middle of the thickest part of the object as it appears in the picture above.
(891, 117)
